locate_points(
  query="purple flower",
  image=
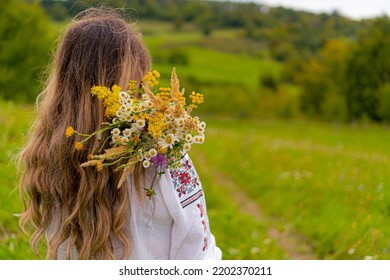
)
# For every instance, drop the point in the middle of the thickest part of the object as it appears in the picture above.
(160, 161)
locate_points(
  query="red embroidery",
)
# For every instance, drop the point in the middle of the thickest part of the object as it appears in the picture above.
(204, 226)
(205, 244)
(185, 178)
(200, 207)
(181, 190)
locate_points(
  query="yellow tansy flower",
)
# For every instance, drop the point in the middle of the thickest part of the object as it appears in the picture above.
(69, 131)
(78, 145)
(99, 166)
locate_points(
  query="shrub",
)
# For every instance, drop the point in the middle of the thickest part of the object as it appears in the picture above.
(24, 37)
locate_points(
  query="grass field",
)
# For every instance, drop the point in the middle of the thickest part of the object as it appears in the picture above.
(326, 184)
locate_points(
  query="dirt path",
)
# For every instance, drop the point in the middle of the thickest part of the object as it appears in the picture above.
(291, 242)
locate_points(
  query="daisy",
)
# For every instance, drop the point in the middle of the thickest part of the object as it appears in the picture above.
(119, 114)
(125, 140)
(127, 132)
(142, 107)
(140, 157)
(128, 118)
(123, 95)
(189, 138)
(152, 152)
(116, 131)
(146, 163)
(168, 141)
(140, 123)
(180, 122)
(147, 156)
(116, 138)
(187, 147)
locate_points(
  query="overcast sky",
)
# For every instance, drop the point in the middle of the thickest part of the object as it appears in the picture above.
(352, 8)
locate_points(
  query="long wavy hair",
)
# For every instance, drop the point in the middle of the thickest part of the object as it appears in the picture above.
(80, 207)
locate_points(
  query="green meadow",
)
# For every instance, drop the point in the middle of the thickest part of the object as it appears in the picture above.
(275, 188)
(321, 186)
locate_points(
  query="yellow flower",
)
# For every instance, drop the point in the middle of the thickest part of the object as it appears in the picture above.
(197, 97)
(78, 145)
(133, 86)
(99, 165)
(69, 131)
(110, 98)
(156, 73)
(162, 150)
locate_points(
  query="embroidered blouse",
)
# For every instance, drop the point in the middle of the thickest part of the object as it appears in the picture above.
(173, 224)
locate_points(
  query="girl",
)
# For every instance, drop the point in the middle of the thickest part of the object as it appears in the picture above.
(80, 211)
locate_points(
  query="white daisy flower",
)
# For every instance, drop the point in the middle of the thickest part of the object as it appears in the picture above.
(140, 157)
(202, 125)
(187, 147)
(127, 132)
(119, 114)
(152, 152)
(189, 138)
(180, 122)
(146, 163)
(145, 96)
(116, 138)
(116, 131)
(168, 141)
(142, 107)
(123, 95)
(200, 129)
(147, 156)
(148, 103)
(128, 118)
(201, 139)
(136, 109)
(196, 139)
(125, 140)
(140, 123)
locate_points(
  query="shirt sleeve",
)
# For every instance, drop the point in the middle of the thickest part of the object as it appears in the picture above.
(191, 237)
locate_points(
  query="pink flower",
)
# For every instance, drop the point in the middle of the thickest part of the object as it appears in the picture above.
(160, 161)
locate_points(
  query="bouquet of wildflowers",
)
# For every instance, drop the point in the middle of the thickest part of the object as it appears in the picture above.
(149, 124)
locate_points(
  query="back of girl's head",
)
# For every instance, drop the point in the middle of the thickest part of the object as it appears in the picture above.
(79, 205)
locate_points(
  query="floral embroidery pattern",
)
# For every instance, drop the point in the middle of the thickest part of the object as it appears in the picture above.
(185, 180)
(181, 190)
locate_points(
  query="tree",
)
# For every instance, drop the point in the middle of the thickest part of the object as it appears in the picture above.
(368, 70)
(322, 81)
(23, 49)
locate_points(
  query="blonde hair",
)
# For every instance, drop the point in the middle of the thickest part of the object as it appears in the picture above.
(83, 208)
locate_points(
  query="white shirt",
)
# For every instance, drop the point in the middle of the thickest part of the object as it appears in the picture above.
(173, 224)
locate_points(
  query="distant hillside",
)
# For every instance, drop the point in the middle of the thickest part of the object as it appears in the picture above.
(283, 29)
